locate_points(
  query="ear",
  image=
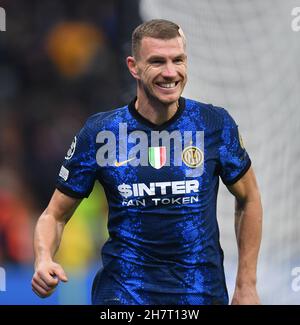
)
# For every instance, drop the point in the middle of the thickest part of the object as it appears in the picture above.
(132, 67)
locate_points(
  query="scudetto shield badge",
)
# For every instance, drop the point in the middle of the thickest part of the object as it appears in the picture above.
(157, 156)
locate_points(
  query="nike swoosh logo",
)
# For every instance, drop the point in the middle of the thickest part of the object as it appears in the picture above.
(118, 164)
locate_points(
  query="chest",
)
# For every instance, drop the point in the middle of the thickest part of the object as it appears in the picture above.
(150, 162)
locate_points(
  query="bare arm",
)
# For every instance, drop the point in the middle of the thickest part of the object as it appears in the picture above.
(248, 228)
(47, 237)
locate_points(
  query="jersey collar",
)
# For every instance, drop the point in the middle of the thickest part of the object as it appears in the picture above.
(141, 119)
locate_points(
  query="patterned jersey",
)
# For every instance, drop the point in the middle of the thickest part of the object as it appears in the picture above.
(161, 184)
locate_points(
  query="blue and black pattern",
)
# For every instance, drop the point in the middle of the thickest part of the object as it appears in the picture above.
(160, 253)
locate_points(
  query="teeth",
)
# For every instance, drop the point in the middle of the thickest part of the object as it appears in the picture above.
(167, 85)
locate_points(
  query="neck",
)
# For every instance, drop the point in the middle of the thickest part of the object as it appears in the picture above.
(155, 111)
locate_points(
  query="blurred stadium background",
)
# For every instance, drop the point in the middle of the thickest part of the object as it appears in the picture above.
(63, 60)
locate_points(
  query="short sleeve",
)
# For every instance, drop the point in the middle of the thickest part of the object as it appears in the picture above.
(234, 159)
(78, 171)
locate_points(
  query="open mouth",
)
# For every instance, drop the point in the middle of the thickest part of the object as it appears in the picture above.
(167, 85)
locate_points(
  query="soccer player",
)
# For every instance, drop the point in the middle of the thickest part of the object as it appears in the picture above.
(159, 160)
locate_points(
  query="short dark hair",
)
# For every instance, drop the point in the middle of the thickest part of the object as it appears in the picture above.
(156, 28)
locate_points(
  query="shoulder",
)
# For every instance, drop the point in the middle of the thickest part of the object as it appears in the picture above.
(210, 113)
(106, 119)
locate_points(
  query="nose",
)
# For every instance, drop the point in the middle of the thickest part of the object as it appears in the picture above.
(169, 71)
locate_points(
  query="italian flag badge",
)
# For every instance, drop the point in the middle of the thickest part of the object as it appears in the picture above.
(157, 156)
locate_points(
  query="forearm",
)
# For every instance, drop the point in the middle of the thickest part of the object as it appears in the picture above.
(47, 237)
(248, 226)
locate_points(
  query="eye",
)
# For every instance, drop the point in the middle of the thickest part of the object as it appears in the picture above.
(178, 60)
(157, 62)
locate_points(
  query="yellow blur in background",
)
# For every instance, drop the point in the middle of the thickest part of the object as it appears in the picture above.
(72, 46)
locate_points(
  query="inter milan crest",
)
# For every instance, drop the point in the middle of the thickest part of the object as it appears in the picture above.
(157, 156)
(71, 150)
(192, 156)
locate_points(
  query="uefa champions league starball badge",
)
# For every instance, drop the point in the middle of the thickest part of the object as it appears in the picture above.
(72, 149)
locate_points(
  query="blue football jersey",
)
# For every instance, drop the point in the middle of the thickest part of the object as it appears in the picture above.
(161, 184)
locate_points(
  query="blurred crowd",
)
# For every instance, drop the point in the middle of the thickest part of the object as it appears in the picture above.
(60, 62)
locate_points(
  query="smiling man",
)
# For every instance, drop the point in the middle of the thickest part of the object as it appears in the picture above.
(159, 160)
(159, 64)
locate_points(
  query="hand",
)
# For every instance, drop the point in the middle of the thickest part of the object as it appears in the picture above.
(46, 277)
(245, 295)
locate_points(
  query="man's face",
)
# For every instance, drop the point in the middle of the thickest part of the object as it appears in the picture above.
(162, 68)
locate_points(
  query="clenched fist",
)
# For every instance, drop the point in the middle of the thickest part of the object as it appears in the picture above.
(46, 277)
